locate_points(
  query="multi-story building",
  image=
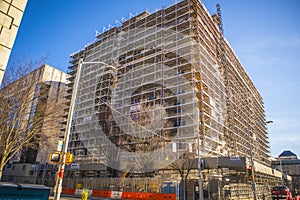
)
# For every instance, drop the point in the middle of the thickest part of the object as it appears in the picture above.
(11, 12)
(176, 86)
(289, 164)
(44, 88)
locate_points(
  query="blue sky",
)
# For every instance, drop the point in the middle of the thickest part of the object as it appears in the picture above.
(264, 34)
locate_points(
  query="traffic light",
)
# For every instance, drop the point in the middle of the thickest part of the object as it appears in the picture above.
(69, 158)
(250, 173)
(55, 157)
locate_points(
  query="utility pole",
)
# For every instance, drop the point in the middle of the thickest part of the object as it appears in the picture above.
(252, 164)
(61, 167)
(252, 161)
(200, 187)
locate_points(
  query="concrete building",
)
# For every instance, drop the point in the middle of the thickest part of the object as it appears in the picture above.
(176, 86)
(11, 12)
(46, 87)
(289, 164)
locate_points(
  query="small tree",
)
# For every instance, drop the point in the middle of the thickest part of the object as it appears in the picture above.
(184, 166)
(29, 111)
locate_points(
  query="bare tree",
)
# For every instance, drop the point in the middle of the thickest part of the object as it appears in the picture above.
(19, 67)
(29, 110)
(183, 166)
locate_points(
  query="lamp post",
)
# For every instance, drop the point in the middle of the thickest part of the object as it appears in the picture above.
(252, 162)
(200, 187)
(200, 182)
(282, 177)
(252, 168)
(61, 167)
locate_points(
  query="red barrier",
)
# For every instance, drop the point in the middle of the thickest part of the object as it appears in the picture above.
(126, 195)
(147, 196)
(129, 195)
(68, 191)
(165, 196)
(101, 193)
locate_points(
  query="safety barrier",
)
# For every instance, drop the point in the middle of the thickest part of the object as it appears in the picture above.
(148, 196)
(70, 191)
(80, 191)
(101, 193)
(121, 195)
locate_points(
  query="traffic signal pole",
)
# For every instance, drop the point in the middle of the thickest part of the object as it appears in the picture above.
(252, 168)
(61, 166)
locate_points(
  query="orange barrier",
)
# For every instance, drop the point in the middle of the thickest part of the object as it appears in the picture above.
(68, 191)
(101, 193)
(165, 196)
(125, 195)
(147, 196)
(130, 195)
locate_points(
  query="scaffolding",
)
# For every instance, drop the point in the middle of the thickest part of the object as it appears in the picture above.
(169, 89)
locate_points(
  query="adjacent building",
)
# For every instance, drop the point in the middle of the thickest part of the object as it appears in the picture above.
(45, 89)
(11, 12)
(289, 165)
(157, 86)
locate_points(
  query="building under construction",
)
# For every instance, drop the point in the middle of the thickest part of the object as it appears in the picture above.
(160, 87)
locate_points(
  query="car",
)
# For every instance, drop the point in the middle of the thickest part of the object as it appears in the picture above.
(281, 192)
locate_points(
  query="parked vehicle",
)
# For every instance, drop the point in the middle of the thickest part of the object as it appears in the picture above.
(281, 192)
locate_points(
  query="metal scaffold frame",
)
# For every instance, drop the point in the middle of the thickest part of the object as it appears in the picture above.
(176, 65)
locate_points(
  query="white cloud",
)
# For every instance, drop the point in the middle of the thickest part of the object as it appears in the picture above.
(284, 141)
(290, 138)
(289, 41)
(284, 132)
(285, 123)
(253, 59)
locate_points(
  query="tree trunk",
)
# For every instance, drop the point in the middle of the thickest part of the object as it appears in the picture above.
(183, 188)
(2, 163)
(1, 168)
(1, 171)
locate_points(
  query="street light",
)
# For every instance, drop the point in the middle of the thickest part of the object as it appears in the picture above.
(252, 162)
(61, 167)
(200, 182)
(200, 187)
(282, 177)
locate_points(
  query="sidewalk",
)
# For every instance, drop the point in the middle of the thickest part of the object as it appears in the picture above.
(64, 197)
(69, 197)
